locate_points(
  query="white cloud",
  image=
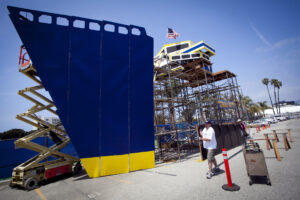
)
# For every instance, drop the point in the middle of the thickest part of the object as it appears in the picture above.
(280, 44)
(259, 35)
(286, 41)
(281, 58)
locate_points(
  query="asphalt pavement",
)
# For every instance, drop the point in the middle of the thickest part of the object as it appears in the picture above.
(184, 179)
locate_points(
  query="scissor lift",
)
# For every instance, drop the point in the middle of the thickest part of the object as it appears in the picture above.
(50, 162)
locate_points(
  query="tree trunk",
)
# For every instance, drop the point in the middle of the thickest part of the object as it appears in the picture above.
(271, 100)
(275, 100)
(278, 100)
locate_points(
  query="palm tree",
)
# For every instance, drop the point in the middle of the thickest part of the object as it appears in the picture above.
(241, 104)
(254, 108)
(246, 102)
(263, 106)
(266, 82)
(279, 85)
(274, 82)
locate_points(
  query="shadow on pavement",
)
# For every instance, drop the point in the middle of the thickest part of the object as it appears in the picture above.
(273, 157)
(219, 172)
(48, 181)
(230, 157)
(162, 173)
(259, 180)
(83, 176)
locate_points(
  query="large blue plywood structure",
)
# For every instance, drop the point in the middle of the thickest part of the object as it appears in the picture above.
(101, 83)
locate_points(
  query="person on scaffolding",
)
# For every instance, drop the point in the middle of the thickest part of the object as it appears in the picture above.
(210, 143)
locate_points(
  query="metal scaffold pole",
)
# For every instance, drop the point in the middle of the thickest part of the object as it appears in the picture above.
(186, 93)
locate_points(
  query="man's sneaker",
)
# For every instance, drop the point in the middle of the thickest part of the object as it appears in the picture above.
(209, 175)
(216, 170)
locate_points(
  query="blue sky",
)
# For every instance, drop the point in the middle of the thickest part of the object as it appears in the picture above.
(254, 39)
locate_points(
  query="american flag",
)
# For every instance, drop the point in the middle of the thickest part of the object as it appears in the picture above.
(172, 34)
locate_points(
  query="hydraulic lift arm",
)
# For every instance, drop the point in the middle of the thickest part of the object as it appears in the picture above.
(40, 167)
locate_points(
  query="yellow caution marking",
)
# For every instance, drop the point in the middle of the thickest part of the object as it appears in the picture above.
(200, 160)
(37, 190)
(91, 166)
(141, 160)
(114, 165)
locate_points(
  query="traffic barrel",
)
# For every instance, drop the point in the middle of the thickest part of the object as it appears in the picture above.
(229, 186)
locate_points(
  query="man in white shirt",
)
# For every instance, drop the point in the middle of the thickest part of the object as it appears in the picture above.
(210, 143)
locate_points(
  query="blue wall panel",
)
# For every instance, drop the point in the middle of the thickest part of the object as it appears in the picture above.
(141, 93)
(83, 100)
(114, 92)
(100, 81)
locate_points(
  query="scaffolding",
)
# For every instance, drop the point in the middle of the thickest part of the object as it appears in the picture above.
(187, 93)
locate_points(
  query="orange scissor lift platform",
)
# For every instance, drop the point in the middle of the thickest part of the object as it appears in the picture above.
(50, 162)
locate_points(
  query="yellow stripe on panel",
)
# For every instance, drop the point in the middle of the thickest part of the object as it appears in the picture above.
(209, 51)
(114, 165)
(141, 160)
(91, 166)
